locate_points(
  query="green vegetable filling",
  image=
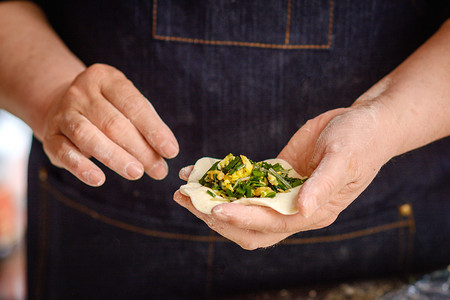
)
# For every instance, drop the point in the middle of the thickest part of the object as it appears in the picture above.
(236, 177)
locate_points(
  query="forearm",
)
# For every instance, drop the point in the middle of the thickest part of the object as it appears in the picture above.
(35, 65)
(414, 99)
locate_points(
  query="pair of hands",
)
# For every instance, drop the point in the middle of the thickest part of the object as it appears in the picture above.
(102, 115)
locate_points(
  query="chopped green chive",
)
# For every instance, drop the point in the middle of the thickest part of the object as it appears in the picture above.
(262, 175)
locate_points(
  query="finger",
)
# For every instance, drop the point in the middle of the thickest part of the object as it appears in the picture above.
(324, 184)
(259, 218)
(122, 132)
(89, 139)
(64, 154)
(185, 172)
(247, 239)
(123, 94)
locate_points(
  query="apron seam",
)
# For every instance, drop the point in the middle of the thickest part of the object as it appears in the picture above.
(288, 23)
(208, 238)
(42, 240)
(284, 46)
(209, 266)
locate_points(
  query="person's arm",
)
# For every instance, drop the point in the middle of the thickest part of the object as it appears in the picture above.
(77, 112)
(35, 65)
(417, 95)
(342, 150)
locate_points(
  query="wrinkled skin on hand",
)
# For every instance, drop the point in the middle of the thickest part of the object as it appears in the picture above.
(341, 151)
(102, 115)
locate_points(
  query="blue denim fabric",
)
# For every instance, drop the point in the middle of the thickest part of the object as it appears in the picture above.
(231, 76)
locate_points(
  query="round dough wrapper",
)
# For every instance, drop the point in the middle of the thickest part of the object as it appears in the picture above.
(284, 203)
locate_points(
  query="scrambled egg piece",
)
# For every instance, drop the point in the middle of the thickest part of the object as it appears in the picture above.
(224, 162)
(245, 171)
(262, 191)
(219, 174)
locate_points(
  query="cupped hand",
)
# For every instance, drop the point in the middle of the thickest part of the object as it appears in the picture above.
(340, 151)
(102, 115)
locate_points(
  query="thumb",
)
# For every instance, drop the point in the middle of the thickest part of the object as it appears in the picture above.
(323, 185)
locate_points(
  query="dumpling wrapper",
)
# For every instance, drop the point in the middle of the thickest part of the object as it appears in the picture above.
(285, 203)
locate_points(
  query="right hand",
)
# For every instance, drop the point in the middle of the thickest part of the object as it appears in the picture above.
(102, 115)
(340, 151)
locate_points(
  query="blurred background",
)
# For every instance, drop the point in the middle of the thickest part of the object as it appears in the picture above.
(15, 140)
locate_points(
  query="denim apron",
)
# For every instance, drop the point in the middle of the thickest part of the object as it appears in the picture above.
(242, 77)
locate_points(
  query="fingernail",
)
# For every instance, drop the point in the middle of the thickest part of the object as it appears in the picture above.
(159, 170)
(185, 172)
(169, 149)
(217, 209)
(309, 207)
(218, 212)
(94, 177)
(134, 170)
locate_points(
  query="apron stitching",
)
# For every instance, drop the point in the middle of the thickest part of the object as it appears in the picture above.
(149, 232)
(42, 245)
(209, 265)
(204, 238)
(245, 44)
(155, 15)
(346, 236)
(288, 23)
(330, 24)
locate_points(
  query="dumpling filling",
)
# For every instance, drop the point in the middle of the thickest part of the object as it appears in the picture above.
(236, 177)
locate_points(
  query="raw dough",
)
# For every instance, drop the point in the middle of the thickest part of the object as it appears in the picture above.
(285, 203)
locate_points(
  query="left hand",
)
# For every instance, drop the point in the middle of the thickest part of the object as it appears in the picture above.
(340, 151)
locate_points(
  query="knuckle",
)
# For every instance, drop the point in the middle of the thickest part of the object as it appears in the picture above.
(335, 147)
(61, 156)
(73, 93)
(134, 105)
(79, 132)
(325, 222)
(249, 245)
(112, 159)
(52, 156)
(95, 71)
(71, 159)
(113, 124)
(99, 70)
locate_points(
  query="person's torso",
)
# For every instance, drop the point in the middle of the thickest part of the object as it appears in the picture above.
(241, 77)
